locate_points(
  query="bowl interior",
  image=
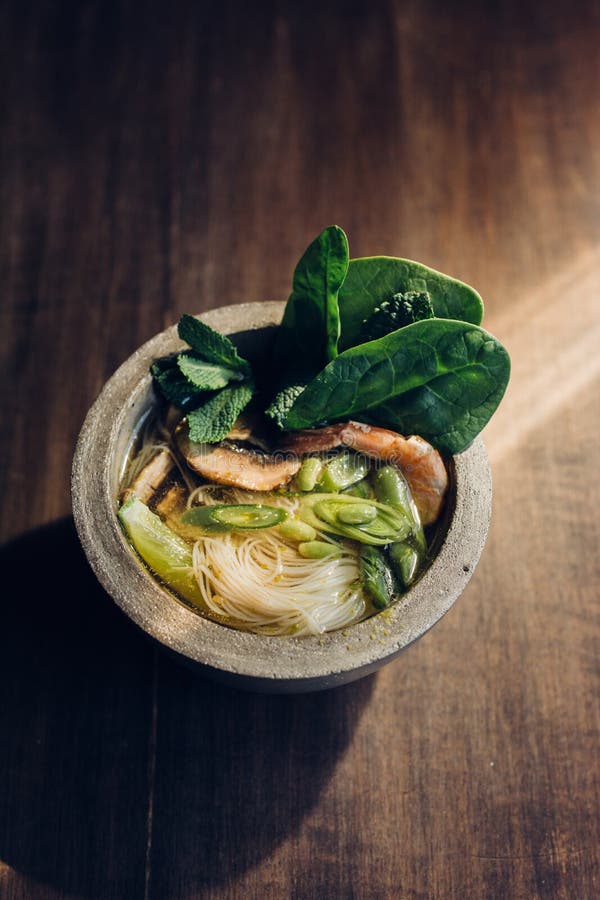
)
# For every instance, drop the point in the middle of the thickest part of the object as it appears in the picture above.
(256, 662)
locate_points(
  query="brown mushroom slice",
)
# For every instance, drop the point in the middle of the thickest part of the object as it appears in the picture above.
(315, 440)
(152, 477)
(237, 466)
(172, 501)
(246, 428)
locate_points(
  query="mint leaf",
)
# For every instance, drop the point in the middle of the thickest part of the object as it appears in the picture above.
(172, 384)
(203, 375)
(211, 345)
(212, 421)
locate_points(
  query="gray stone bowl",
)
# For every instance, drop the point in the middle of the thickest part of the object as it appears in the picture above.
(250, 661)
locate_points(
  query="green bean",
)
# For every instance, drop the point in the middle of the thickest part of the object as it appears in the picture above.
(404, 561)
(309, 473)
(391, 487)
(317, 549)
(342, 471)
(357, 514)
(361, 489)
(376, 577)
(295, 530)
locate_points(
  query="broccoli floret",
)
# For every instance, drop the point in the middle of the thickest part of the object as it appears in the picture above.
(283, 402)
(398, 311)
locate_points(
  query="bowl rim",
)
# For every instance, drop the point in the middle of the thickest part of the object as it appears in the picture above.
(310, 661)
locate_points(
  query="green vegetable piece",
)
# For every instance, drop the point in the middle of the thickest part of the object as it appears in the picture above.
(343, 471)
(386, 523)
(295, 530)
(376, 577)
(357, 514)
(164, 552)
(391, 487)
(234, 517)
(317, 550)
(321, 511)
(371, 280)
(212, 421)
(361, 489)
(398, 311)
(283, 402)
(205, 376)
(439, 378)
(404, 561)
(249, 516)
(172, 384)
(211, 345)
(310, 328)
(308, 473)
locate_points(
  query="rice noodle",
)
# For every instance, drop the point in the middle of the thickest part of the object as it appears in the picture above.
(261, 583)
(258, 581)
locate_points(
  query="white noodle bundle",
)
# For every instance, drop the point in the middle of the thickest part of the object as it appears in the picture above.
(258, 581)
(261, 583)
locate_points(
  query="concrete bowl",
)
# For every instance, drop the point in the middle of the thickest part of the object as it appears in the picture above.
(250, 661)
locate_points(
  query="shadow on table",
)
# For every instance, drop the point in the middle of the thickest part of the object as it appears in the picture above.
(121, 771)
(237, 772)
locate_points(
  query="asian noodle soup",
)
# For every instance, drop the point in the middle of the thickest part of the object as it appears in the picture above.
(336, 541)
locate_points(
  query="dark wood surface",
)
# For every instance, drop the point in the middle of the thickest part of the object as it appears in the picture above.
(161, 158)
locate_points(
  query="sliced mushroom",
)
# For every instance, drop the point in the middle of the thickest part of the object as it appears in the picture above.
(172, 501)
(246, 428)
(228, 463)
(152, 477)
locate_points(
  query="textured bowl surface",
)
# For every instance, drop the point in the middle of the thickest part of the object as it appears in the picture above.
(250, 661)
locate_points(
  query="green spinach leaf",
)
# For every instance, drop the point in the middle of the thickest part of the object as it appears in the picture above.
(373, 279)
(212, 421)
(439, 378)
(310, 328)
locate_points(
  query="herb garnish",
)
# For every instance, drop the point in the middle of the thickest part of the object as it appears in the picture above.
(211, 381)
(383, 340)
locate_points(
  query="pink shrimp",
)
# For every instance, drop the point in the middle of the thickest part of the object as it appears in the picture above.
(421, 464)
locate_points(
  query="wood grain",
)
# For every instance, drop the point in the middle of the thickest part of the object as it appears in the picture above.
(159, 160)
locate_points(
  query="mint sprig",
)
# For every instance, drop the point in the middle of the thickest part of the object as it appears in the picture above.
(210, 381)
(213, 421)
(211, 345)
(172, 383)
(203, 375)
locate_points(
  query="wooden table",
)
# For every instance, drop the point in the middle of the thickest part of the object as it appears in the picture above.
(158, 159)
